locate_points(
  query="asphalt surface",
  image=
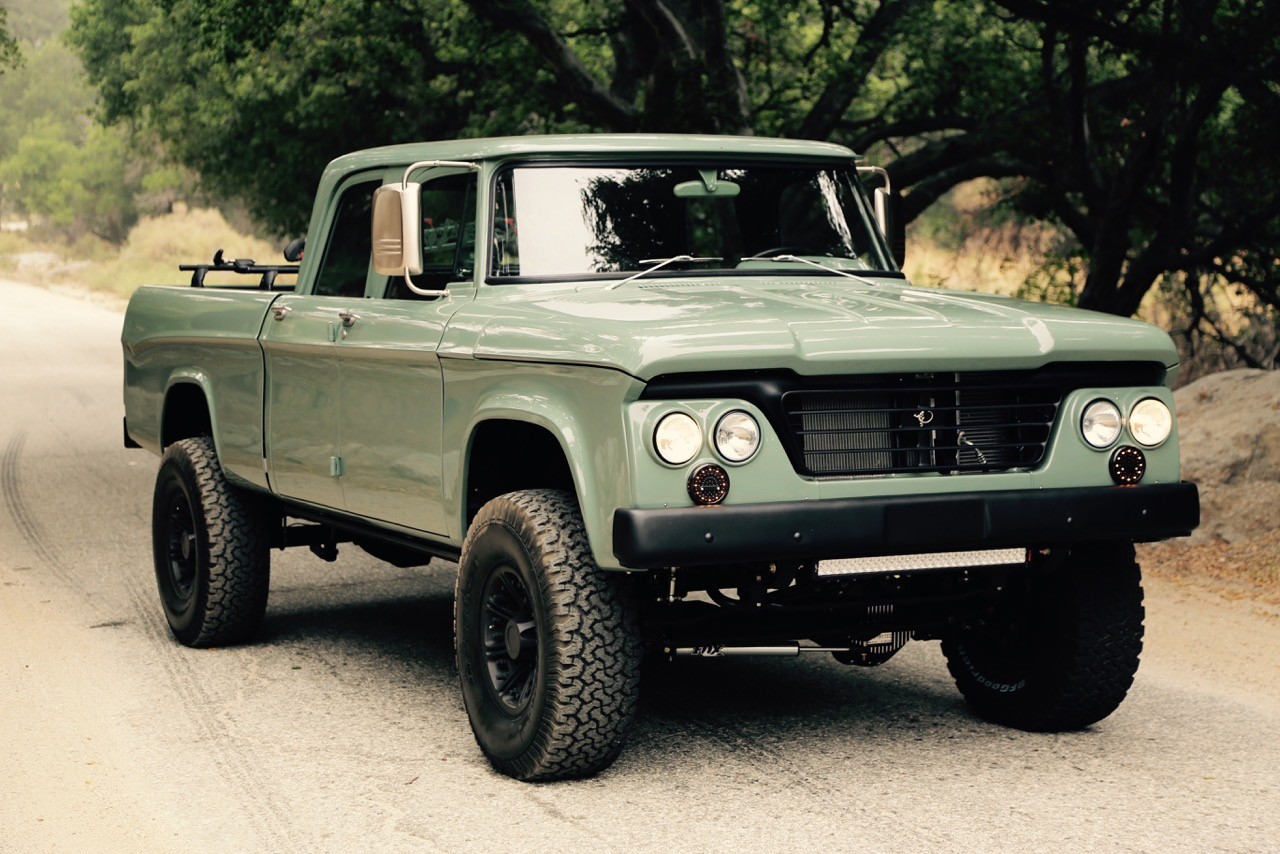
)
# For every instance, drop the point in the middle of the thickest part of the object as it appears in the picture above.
(341, 729)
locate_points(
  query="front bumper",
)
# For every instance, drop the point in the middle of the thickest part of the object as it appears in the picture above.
(862, 527)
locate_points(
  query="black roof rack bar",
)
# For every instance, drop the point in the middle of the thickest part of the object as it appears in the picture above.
(244, 266)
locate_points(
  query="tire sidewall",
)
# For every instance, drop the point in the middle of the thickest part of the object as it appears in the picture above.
(504, 737)
(184, 614)
(1068, 655)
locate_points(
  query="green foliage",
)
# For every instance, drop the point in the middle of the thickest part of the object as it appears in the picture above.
(1145, 128)
(258, 104)
(79, 187)
(36, 21)
(49, 89)
(9, 53)
(73, 176)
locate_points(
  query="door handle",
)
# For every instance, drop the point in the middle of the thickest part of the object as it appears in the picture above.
(280, 312)
(349, 317)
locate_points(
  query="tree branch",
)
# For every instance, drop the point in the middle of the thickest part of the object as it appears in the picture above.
(851, 75)
(520, 15)
(925, 193)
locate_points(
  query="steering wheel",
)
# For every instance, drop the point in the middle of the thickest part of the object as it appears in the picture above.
(766, 254)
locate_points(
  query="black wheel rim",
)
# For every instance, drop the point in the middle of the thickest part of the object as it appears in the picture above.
(182, 546)
(509, 629)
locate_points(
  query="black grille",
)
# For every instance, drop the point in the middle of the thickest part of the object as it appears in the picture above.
(945, 423)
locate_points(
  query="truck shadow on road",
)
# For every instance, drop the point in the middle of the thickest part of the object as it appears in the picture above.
(746, 705)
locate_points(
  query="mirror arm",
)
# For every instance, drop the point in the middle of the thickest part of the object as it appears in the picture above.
(404, 185)
(423, 292)
(877, 170)
(437, 164)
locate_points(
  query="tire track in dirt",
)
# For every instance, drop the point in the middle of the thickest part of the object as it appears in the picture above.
(268, 817)
(15, 501)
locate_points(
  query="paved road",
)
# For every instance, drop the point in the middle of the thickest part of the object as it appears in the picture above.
(341, 729)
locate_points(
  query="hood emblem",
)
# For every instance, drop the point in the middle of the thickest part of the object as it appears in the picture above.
(924, 416)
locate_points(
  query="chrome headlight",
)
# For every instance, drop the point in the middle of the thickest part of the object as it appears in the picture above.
(1100, 425)
(1150, 422)
(677, 438)
(737, 436)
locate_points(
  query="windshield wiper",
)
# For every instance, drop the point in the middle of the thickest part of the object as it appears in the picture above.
(827, 267)
(658, 263)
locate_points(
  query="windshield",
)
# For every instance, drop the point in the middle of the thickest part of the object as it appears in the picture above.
(585, 221)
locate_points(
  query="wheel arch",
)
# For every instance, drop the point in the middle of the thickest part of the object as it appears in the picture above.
(513, 450)
(187, 411)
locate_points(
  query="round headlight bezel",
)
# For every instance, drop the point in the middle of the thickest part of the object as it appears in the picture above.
(740, 418)
(1090, 421)
(1137, 419)
(665, 435)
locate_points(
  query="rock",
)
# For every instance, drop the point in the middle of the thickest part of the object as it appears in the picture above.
(1229, 433)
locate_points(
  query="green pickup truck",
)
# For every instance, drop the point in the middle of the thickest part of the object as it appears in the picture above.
(658, 396)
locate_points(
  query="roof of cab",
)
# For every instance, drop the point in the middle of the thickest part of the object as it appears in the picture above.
(502, 148)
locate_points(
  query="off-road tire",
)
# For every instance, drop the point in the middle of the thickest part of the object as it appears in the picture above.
(581, 696)
(1066, 652)
(218, 593)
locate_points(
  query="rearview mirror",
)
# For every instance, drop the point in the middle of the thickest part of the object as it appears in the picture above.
(698, 190)
(397, 230)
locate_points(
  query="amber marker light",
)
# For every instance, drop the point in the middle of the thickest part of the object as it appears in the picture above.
(709, 484)
(1127, 465)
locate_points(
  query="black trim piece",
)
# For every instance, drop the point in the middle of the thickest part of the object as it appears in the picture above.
(916, 524)
(709, 273)
(361, 529)
(128, 440)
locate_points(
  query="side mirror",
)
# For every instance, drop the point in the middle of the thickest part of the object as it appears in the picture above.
(293, 252)
(397, 230)
(892, 223)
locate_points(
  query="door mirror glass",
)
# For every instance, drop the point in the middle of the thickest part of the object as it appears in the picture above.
(889, 214)
(397, 233)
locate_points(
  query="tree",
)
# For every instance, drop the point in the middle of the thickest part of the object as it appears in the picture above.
(1154, 141)
(1113, 118)
(256, 95)
(73, 176)
(79, 187)
(9, 53)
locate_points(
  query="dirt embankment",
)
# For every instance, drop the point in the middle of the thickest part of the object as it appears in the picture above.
(1229, 428)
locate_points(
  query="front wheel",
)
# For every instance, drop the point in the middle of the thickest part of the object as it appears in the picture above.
(548, 653)
(1061, 655)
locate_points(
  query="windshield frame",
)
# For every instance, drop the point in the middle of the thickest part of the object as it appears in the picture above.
(861, 202)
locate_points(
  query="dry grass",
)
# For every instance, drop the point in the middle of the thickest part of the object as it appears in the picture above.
(158, 244)
(151, 255)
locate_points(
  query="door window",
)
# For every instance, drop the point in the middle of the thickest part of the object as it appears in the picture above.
(346, 257)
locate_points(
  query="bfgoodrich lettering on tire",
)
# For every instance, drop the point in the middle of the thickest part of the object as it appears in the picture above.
(211, 549)
(1065, 652)
(548, 654)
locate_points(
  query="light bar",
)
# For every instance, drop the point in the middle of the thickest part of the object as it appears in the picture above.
(934, 560)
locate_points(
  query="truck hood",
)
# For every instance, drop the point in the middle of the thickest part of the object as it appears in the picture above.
(810, 325)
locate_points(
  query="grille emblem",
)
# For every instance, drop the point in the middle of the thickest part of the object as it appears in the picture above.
(924, 416)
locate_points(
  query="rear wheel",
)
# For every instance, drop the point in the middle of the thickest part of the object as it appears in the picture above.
(548, 655)
(211, 549)
(1062, 655)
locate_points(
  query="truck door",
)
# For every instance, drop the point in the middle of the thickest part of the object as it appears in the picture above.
(303, 389)
(392, 383)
